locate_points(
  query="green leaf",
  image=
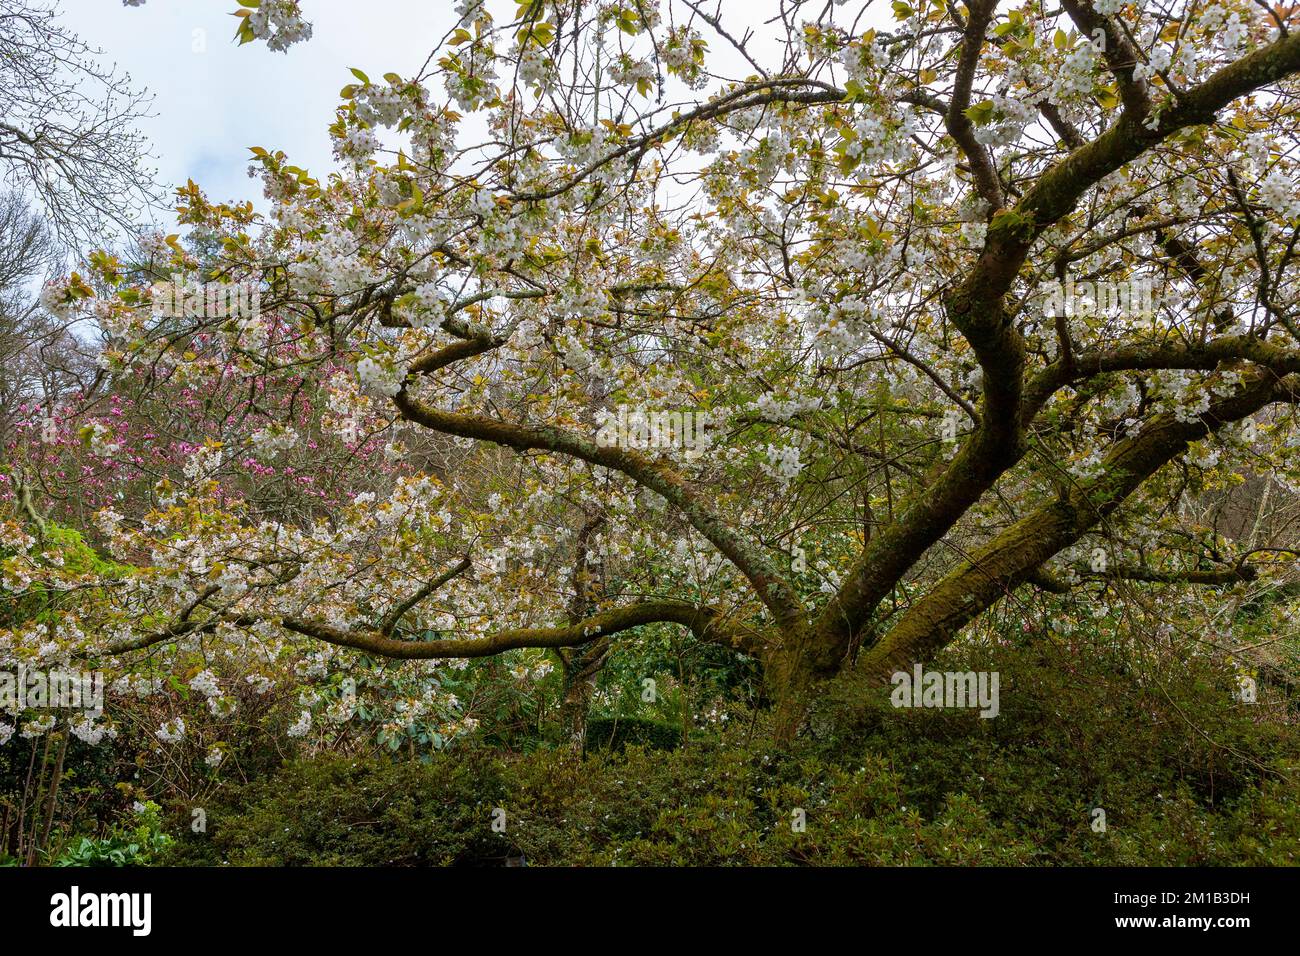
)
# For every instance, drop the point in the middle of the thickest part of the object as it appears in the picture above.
(1011, 223)
(981, 114)
(1106, 97)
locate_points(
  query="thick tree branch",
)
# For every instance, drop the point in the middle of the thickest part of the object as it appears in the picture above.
(976, 306)
(769, 584)
(394, 617)
(704, 622)
(1011, 557)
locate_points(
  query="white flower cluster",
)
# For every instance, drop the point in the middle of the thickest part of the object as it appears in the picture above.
(773, 409)
(380, 377)
(1257, 148)
(628, 71)
(861, 62)
(1184, 395)
(534, 67)
(1011, 118)
(204, 461)
(357, 144)
(114, 321)
(172, 731)
(292, 217)
(467, 10)
(260, 683)
(38, 727)
(782, 462)
(1076, 74)
(301, 726)
(329, 266)
(279, 23)
(847, 326)
(583, 146)
(270, 440)
(1227, 27)
(91, 731)
(678, 53)
(1204, 455)
(232, 580)
(1279, 194)
(877, 143)
(252, 333)
(473, 83)
(57, 299)
(381, 105)
(49, 427)
(137, 685)
(1158, 60)
(205, 682)
(522, 672)
(429, 308)
(101, 440)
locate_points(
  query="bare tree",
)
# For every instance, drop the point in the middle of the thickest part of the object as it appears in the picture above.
(67, 127)
(41, 358)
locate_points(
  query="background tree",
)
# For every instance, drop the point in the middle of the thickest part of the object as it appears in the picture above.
(67, 136)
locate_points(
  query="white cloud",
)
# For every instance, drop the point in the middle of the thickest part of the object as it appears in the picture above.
(214, 99)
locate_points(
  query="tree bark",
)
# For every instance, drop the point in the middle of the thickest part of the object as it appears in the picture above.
(581, 669)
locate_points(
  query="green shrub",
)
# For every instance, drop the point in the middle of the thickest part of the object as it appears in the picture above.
(339, 811)
(136, 845)
(1185, 775)
(615, 733)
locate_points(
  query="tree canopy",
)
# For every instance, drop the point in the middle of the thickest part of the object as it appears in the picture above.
(819, 338)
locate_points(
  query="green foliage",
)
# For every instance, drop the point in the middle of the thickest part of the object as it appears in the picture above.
(1185, 774)
(78, 556)
(135, 845)
(338, 811)
(66, 549)
(615, 733)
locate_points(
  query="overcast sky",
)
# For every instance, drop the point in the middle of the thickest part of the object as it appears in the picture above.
(213, 99)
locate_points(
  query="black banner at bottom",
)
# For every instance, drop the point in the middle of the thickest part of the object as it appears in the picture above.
(143, 906)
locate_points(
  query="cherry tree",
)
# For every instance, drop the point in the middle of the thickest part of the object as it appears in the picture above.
(818, 335)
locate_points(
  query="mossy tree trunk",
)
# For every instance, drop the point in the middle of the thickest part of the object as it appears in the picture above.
(581, 668)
